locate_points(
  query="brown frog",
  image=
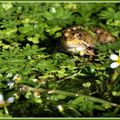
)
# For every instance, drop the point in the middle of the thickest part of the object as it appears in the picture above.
(78, 40)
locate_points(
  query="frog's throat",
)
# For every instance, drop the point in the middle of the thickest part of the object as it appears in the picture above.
(76, 49)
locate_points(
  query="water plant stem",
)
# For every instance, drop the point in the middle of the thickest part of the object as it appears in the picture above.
(71, 94)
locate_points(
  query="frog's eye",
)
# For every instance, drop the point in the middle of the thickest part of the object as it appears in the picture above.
(79, 35)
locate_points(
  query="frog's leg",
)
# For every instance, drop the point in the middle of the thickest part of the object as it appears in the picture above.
(90, 53)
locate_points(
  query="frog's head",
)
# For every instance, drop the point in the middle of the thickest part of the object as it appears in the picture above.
(72, 38)
(76, 40)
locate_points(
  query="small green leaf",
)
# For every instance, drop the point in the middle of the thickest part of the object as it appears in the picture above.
(61, 96)
(38, 100)
(87, 84)
(7, 6)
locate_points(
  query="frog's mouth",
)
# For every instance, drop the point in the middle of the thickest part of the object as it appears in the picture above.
(74, 46)
(75, 49)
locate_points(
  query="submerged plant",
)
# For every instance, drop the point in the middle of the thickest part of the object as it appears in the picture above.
(44, 80)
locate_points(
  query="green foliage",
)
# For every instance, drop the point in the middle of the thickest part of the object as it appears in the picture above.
(49, 83)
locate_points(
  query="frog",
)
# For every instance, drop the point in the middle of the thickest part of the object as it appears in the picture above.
(79, 40)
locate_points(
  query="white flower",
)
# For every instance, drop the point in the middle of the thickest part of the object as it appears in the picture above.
(10, 84)
(17, 78)
(2, 102)
(5, 102)
(116, 60)
(10, 100)
(60, 108)
(113, 57)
